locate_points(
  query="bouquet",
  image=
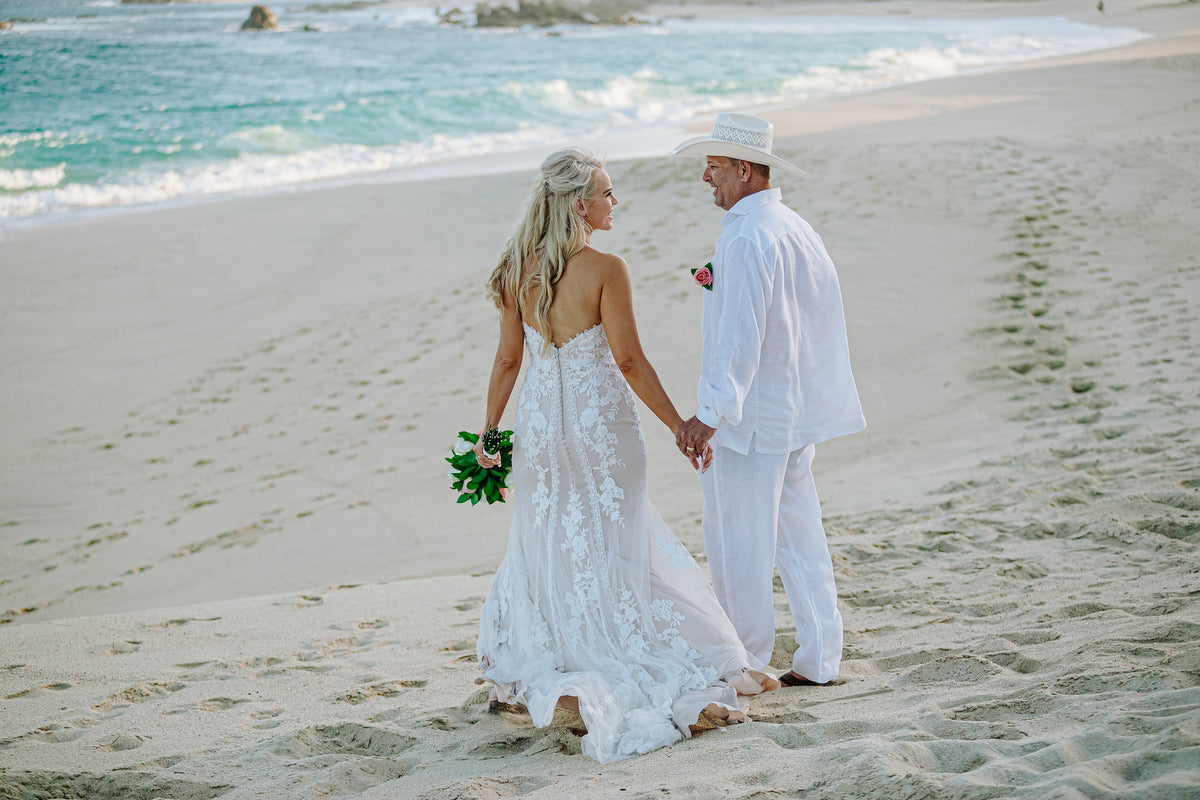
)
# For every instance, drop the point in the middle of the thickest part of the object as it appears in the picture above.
(474, 482)
(703, 276)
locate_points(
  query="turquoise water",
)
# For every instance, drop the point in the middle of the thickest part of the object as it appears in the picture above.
(106, 105)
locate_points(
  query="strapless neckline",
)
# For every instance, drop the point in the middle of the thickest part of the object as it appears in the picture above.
(569, 341)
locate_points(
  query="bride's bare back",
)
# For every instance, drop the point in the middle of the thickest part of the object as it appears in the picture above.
(577, 295)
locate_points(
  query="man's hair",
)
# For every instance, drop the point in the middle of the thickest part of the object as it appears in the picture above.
(762, 169)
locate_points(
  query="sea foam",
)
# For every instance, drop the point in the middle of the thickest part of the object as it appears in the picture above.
(394, 91)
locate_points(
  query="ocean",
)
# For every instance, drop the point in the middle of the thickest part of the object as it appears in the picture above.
(105, 105)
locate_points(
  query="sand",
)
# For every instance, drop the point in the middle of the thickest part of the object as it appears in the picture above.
(231, 565)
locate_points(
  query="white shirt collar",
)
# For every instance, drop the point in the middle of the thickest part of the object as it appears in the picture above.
(751, 202)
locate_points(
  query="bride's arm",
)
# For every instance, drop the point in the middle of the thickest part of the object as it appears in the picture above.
(507, 365)
(616, 313)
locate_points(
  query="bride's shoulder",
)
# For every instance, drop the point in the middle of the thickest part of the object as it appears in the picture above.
(604, 264)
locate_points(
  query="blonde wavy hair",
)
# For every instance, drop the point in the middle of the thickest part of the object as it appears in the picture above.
(550, 232)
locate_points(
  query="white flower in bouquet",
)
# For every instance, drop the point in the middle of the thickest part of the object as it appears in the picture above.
(461, 446)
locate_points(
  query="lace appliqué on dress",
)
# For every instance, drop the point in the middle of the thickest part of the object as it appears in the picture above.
(589, 599)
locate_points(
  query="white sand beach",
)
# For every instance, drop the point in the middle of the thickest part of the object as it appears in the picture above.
(231, 566)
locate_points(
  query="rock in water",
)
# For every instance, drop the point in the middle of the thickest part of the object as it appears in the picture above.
(260, 19)
(545, 13)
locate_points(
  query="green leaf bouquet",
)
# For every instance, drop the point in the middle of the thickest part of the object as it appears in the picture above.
(474, 482)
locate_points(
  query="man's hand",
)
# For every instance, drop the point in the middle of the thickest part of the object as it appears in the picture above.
(692, 440)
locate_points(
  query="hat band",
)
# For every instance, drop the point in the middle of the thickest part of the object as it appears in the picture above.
(759, 140)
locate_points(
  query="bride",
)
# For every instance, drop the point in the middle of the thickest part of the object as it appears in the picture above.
(597, 605)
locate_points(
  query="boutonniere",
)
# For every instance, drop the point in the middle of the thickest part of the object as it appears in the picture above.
(703, 275)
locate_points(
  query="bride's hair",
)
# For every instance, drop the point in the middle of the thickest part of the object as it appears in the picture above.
(550, 232)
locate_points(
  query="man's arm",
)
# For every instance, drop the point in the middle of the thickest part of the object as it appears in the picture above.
(733, 362)
(736, 349)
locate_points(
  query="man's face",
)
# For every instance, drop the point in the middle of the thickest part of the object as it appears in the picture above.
(725, 176)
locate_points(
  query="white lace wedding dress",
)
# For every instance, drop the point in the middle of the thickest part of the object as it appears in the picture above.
(596, 598)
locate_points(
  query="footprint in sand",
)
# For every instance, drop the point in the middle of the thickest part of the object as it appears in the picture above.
(1025, 638)
(1015, 661)
(51, 687)
(374, 624)
(266, 719)
(306, 601)
(1023, 571)
(218, 704)
(124, 648)
(1186, 530)
(55, 734)
(467, 645)
(138, 693)
(385, 689)
(469, 603)
(1026, 704)
(107, 786)
(549, 739)
(121, 742)
(954, 669)
(487, 787)
(345, 739)
(181, 621)
(780, 709)
(472, 710)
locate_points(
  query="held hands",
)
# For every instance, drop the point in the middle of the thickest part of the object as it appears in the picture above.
(691, 437)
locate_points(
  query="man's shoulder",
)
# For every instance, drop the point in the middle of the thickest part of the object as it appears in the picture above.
(771, 222)
(777, 208)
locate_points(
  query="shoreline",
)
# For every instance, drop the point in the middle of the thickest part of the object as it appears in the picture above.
(623, 144)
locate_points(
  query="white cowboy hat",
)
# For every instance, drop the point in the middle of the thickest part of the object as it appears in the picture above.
(738, 136)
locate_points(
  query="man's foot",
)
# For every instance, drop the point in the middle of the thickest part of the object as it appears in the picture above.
(793, 678)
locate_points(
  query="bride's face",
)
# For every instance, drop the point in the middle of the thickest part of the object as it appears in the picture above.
(597, 209)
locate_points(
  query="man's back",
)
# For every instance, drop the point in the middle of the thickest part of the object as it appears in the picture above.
(779, 304)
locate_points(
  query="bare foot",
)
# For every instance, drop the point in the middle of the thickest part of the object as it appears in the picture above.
(752, 682)
(569, 703)
(721, 715)
(769, 682)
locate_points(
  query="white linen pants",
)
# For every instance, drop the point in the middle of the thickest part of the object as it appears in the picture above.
(761, 512)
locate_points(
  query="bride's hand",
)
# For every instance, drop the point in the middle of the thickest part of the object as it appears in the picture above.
(484, 460)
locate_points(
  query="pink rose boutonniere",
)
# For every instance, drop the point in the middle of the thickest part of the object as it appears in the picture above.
(703, 276)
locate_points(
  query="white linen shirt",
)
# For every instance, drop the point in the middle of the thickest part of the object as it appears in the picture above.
(775, 369)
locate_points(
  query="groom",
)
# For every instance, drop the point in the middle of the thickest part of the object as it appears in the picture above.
(775, 380)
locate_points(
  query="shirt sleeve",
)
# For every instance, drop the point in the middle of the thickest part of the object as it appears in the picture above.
(745, 286)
